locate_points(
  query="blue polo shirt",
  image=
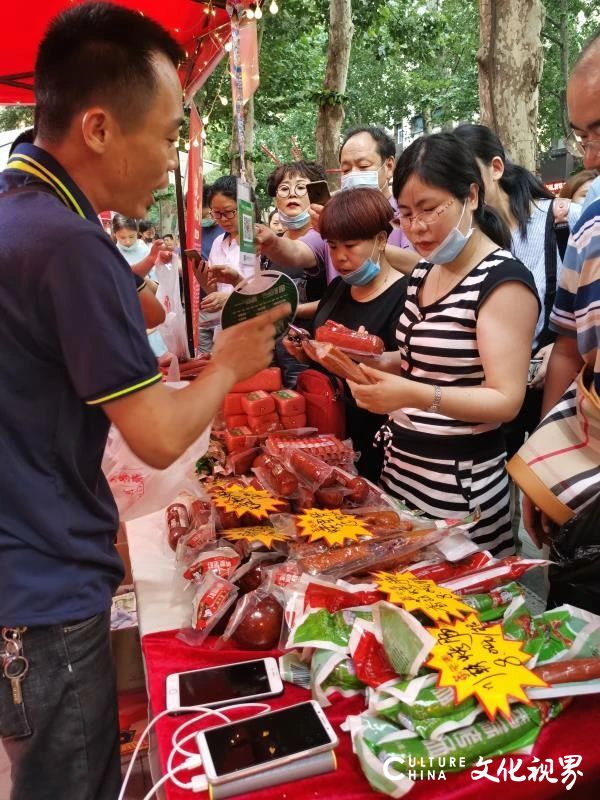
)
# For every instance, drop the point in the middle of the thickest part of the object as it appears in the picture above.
(72, 337)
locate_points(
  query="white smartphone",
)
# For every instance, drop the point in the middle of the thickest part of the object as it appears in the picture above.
(240, 749)
(230, 683)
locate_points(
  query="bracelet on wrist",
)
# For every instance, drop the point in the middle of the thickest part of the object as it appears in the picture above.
(434, 408)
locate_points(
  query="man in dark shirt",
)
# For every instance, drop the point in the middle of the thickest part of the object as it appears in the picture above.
(74, 357)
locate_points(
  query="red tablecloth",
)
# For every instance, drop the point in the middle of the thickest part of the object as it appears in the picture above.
(576, 731)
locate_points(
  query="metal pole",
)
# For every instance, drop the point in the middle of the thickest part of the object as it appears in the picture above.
(187, 295)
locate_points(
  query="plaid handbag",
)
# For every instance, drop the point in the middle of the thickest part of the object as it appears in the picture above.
(558, 467)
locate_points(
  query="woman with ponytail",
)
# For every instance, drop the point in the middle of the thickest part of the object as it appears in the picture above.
(526, 207)
(464, 345)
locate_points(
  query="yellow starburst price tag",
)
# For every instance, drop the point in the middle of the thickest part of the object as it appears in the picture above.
(240, 500)
(414, 594)
(332, 526)
(264, 534)
(477, 660)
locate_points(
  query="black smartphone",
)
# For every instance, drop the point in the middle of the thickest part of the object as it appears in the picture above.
(318, 192)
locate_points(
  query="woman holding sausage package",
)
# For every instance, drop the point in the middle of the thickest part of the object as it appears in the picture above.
(369, 293)
(464, 342)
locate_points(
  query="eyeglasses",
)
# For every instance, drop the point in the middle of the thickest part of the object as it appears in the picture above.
(577, 146)
(425, 217)
(285, 190)
(217, 215)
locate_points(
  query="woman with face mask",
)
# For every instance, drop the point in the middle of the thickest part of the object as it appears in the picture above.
(367, 293)
(138, 255)
(464, 342)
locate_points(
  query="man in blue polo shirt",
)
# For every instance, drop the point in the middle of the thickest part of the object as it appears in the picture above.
(74, 356)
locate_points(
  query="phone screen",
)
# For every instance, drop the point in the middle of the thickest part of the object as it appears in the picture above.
(223, 683)
(263, 739)
(318, 192)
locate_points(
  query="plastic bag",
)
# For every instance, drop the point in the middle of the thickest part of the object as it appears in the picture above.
(139, 489)
(172, 329)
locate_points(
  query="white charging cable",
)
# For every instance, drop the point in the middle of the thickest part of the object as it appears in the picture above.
(195, 785)
(177, 743)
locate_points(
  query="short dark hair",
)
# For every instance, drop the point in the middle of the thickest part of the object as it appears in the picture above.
(145, 225)
(206, 189)
(227, 186)
(293, 169)
(120, 222)
(445, 161)
(168, 236)
(359, 213)
(97, 53)
(384, 143)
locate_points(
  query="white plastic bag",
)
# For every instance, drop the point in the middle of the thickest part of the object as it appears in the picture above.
(139, 489)
(172, 330)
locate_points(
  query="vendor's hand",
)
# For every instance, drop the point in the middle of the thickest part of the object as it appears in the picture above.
(155, 248)
(540, 377)
(295, 350)
(536, 523)
(247, 348)
(315, 215)
(385, 393)
(265, 237)
(213, 301)
(222, 273)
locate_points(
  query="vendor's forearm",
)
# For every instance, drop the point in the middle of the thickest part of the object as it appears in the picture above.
(565, 362)
(143, 267)
(400, 259)
(294, 254)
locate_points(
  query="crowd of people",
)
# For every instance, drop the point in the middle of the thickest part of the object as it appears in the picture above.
(484, 288)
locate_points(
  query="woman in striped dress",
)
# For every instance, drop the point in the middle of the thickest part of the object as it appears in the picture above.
(464, 342)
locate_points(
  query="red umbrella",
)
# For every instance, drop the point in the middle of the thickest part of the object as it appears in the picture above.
(200, 27)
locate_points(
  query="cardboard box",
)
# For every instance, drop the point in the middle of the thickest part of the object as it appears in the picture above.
(127, 655)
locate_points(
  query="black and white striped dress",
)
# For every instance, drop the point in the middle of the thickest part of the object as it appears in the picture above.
(447, 467)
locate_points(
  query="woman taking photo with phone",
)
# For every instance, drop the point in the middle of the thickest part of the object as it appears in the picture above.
(368, 293)
(464, 341)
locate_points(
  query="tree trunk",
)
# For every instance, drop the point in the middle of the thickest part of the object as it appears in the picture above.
(510, 62)
(331, 110)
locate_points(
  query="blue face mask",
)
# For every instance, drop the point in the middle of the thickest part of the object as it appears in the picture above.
(366, 273)
(453, 244)
(361, 177)
(295, 223)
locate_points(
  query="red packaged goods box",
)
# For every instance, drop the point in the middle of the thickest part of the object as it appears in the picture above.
(269, 380)
(269, 423)
(239, 439)
(236, 421)
(258, 404)
(288, 402)
(293, 421)
(232, 404)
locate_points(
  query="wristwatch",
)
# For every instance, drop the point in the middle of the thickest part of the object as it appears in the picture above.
(434, 408)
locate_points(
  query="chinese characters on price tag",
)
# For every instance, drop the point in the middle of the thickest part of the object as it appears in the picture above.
(478, 660)
(264, 534)
(240, 500)
(331, 526)
(413, 594)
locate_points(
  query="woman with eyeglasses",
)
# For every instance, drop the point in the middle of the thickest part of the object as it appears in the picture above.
(223, 270)
(526, 207)
(464, 341)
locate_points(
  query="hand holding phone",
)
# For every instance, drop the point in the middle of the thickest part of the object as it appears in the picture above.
(318, 192)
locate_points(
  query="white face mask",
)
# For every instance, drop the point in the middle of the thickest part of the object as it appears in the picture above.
(453, 244)
(361, 177)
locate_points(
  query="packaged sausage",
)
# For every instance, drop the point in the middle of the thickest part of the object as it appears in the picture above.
(240, 463)
(358, 488)
(313, 472)
(350, 341)
(257, 404)
(256, 622)
(325, 446)
(269, 423)
(293, 422)
(495, 574)
(212, 599)
(178, 523)
(334, 360)
(324, 630)
(442, 570)
(232, 404)
(333, 674)
(332, 497)
(267, 380)
(236, 421)
(275, 476)
(223, 561)
(239, 439)
(289, 403)
(371, 664)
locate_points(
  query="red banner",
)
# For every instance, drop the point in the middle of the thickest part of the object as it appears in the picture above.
(194, 209)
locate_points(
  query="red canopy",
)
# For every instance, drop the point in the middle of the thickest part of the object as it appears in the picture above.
(201, 28)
